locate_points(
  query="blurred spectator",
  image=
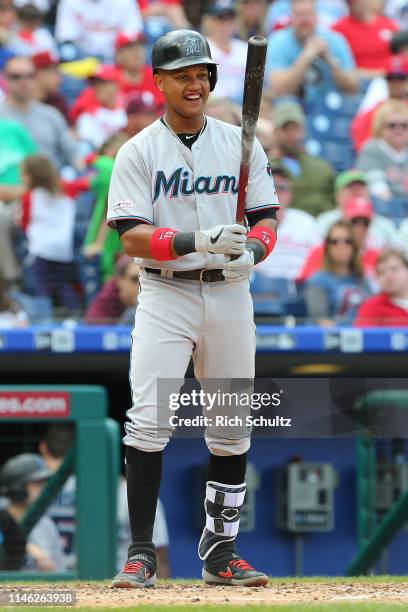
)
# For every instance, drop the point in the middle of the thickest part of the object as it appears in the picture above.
(359, 211)
(297, 232)
(384, 158)
(115, 302)
(333, 294)
(228, 52)
(265, 133)
(15, 144)
(133, 74)
(101, 241)
(12, 316)
(313, 177)
(22, 479)
(47, 82)
(91, 26)
(396, 78)
(279, 13)
(308, 61)
(404, 235)
(397, 10)
(377, 90)
(29, 35)
(12, 541)
(362, 25)
(95, 125)
(7, 18)
(390, 307)
(141, 111)
(54, 445)
(350, 184)
(251, 18)
(44, 123)
(224, 110)
(160, 16)
(48, 217)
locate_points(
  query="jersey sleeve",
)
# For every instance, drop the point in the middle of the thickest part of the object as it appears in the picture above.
(130, 192)
(261, 193)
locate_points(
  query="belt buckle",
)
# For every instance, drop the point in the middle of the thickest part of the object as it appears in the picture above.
(202, 279)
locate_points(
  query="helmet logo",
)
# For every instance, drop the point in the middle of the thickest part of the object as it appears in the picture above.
(192, 46)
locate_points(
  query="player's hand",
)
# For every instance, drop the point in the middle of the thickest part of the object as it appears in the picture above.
(239, 269)
(223, 239)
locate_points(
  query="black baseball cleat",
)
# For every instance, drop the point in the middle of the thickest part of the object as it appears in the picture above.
(137, 573)
(234, 572)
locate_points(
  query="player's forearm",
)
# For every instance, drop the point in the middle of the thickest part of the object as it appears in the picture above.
(256, 244)
(165, 244)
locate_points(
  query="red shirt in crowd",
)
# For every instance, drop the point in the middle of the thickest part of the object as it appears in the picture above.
(106, 307)
(146, 84)
(379, 311)
(369, 41)
(143, 4)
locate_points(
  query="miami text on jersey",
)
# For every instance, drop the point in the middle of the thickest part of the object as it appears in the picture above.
(181, 182)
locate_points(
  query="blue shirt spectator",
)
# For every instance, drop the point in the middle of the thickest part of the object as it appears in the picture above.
(334, 293)
(308, 61)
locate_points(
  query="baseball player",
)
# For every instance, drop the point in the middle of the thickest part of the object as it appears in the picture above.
(172, 199)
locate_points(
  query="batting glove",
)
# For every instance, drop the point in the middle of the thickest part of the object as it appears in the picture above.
(239, 269)
(223, 239)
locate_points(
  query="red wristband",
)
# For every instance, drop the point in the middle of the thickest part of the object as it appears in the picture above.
(266, 235)
(160, 242)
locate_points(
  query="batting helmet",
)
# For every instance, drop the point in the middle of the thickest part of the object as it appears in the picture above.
(18, 471)
(181, 48)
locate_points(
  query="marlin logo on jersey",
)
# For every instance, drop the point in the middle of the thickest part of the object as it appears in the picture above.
(181, 183)
(192, 46)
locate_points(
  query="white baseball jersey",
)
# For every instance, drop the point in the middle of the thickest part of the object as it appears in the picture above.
(158, 180)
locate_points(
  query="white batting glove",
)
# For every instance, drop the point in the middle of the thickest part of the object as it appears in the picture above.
(239, 269)
(224, 239)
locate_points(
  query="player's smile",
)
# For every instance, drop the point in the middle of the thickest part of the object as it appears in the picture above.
(186, 90)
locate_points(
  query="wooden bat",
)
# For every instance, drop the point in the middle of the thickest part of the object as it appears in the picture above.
(254, 74)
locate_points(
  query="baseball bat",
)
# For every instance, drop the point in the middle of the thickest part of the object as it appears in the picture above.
(254, 74)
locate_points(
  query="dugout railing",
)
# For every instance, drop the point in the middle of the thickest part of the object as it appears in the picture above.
(94, 460)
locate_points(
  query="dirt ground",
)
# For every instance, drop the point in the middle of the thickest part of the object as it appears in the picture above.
(95, 595)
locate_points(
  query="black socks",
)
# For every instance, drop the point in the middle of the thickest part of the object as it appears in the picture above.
(143, 475)
(228, 470)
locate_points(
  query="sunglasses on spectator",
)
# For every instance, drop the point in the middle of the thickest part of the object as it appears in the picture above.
(360, 221)
(336, 241)
(397, 124)
(15, 76)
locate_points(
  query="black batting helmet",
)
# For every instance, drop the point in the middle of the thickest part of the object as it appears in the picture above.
(181, 48)
(18, 471)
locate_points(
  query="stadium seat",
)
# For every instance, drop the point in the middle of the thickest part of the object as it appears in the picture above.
(275, 297)
(37, 308)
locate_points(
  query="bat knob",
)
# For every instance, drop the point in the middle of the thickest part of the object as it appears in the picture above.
(258, 41)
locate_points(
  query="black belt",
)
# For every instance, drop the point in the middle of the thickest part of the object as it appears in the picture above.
(203, 275)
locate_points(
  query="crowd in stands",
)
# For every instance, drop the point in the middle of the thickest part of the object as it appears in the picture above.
(76, 83)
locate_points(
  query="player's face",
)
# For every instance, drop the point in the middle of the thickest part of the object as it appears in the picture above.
(186, 90)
